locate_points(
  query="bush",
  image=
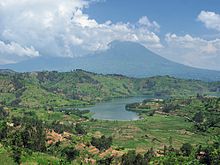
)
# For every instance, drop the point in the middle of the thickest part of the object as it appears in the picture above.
(198, 117)
(131, 158)
(70, 153)
(186, 149)
(16, 155)
(80, 130)
(102, 143)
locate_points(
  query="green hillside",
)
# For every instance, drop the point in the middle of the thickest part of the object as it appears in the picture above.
(79, 88)
(40, 123)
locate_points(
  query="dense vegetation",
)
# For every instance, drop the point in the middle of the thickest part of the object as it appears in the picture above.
(78, 88)
(203, 111)
(40, 122)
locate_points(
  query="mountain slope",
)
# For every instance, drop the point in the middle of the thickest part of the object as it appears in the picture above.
(76, 88)
(127, 58)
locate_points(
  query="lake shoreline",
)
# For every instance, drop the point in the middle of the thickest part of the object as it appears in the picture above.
(115, 109)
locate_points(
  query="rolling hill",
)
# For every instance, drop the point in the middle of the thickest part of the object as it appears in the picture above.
(76, 88)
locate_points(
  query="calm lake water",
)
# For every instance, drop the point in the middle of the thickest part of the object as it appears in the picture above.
(115, 109)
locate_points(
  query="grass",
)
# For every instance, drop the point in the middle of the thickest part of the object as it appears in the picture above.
(7, 97)
(155, 131)
(44, 115)
(5, 158)
(39, 158)
(35, 96)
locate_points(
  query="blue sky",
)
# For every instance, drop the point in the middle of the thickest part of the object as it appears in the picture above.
(185, 31)
(174, 16)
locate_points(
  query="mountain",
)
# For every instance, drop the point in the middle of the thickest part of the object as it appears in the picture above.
(127, 58)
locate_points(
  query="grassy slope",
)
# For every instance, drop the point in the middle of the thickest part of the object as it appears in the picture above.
(144, 134)
(80, 88)
(172, 86)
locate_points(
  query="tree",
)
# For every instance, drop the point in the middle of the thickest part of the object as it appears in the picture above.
(198, 117)
(139, 160)
(186, 149)
(80, 130)
(165, 149)
(168, 107)
(16, 155)
(106, 161)
(102, 143)
(129, 158)
(149, 155)
(16, 121)
(211, 153)
(3, 130)
(3, 113)
(70, 153)
(17, 139)
(33, 134)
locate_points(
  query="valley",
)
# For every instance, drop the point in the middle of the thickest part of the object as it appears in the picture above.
(83, 117)
(109, 82)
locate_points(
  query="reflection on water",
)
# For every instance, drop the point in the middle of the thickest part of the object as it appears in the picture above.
(115, 109)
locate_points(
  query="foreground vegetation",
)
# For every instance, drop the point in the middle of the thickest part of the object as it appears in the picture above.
(36, 127)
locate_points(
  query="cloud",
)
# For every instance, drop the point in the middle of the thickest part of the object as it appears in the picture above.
(15, 48)
(144, 21)
(194, 44)
(210, 19)
(193, 51)
(61, 28)
(31, 28)
(12, 51)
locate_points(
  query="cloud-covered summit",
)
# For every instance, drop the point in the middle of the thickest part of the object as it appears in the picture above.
(31, 28)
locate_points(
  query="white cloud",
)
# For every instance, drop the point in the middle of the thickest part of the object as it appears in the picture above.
(15, 48)
(11, 52)
(210, 19)
(30, 28)
(194, 44)
(60, 28)
(193, 51)
(144, 21)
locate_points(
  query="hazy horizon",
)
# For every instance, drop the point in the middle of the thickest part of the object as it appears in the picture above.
(185, 32)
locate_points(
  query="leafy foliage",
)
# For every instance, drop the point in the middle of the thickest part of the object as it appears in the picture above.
(186, 149)
(102, 143)
(70, 152)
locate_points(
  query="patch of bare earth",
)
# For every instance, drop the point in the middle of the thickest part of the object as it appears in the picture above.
(111, 152)
(53, 137)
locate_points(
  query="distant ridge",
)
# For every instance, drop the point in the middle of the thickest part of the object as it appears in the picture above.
(125, 58)
(6, 71)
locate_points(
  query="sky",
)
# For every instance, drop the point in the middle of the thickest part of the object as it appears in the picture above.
(185, 31)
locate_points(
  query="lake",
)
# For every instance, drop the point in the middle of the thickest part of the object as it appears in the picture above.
(115, 109)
